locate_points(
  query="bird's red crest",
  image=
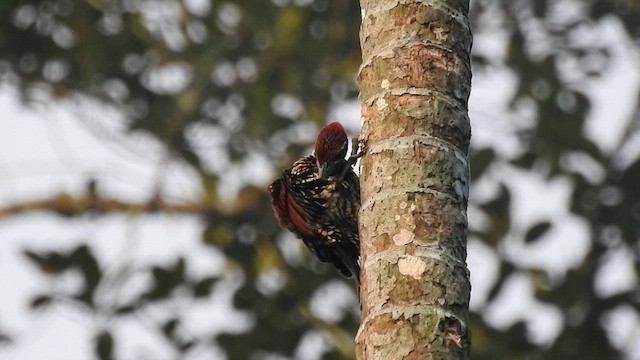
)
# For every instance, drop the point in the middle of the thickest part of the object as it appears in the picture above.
(331, 143)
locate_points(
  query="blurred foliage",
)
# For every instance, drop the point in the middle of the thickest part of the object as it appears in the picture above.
(241, 78)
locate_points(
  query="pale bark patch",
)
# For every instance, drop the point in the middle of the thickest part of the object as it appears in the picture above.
(381, 104)
(408, 218)
(397, 344)
(403, 238)
(412, 266)
(441, 34)
(385, 84)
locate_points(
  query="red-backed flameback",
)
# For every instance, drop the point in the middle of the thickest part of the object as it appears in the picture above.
(318, 200)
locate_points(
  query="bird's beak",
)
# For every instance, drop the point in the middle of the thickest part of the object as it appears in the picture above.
(323, 171)
(327, 170)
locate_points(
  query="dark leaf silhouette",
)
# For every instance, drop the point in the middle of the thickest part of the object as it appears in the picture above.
(104, 345)
(537, 231)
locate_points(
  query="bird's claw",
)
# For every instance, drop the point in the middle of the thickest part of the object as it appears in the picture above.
(356, 151)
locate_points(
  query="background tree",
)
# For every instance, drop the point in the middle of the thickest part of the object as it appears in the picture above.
(236, 89)
(415, 82)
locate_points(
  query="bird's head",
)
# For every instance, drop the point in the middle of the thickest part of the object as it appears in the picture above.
(330, 149)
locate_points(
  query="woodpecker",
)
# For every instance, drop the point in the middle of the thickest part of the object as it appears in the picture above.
(318, 200)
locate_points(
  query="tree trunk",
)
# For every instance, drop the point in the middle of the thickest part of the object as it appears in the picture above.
(415, 82)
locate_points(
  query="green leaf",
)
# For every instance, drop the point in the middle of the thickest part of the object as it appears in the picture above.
(83, 259)
(480, 161)
(48, 262)
(203, 287)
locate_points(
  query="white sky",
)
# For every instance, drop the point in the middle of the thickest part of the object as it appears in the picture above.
(536, 199)
(49, 151)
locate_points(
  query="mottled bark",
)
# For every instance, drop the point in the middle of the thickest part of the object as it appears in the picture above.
(414, 81)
